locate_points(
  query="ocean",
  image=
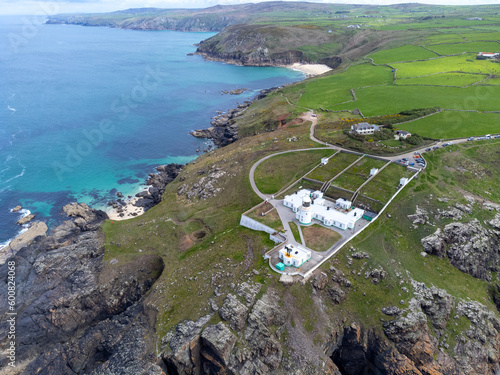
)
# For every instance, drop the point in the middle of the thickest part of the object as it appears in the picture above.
(86, 111)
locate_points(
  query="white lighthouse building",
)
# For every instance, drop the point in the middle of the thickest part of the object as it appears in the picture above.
(304, 214)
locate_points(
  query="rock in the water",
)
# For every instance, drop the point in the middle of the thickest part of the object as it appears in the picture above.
(26, 219)
(17, 208)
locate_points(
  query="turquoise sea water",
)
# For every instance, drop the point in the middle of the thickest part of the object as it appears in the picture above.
(87, 110)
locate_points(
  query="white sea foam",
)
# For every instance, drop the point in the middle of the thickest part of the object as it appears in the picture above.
(23, 212)
(10, 108)
(17, 176)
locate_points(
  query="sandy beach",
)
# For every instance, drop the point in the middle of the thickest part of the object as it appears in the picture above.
(129, 210)
(310, 70)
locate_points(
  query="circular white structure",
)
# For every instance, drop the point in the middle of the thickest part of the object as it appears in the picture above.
(305, 213)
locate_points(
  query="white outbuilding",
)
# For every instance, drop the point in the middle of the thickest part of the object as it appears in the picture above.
(324, 161)
(294, 256)
(403, 181)
(373, 171)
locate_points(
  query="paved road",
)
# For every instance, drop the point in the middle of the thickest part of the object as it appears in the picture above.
(308, 116)
(286, 215)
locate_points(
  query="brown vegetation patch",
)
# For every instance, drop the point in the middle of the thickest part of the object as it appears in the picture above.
(319, 238)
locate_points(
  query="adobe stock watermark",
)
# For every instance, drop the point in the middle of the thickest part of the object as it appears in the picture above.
(31, 25)
(94, 137)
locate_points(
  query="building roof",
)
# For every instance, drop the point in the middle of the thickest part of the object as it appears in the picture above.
(326, 209)
(402, 132)
(365, 126)
(373, 215)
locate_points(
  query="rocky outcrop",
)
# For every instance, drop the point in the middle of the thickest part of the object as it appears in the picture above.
(263, 45)
(235, 312)
(206, 186)
(86, 218)
(157, 181)
(254, 347)
(37, 229)
(26, 219)
(223, 129)
(74, 314)
(470, 247)
(419, 217)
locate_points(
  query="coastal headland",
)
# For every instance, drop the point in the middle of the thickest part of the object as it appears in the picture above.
(183, 288)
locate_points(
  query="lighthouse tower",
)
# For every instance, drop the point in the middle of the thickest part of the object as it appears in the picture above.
(304, 214)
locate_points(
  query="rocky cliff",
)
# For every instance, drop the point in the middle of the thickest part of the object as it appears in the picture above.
(76, 314)
(263, 336)
(264, 45)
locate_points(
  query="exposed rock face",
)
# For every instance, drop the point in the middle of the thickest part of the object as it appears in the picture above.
(157, 181)
(38, 229)
(195, 348)
(419, 217)
(204, 188)
(470, 247)
(86, 218)
(257, 45)
(26, 219)
(234, 311)
(75, 315)
(223, 129)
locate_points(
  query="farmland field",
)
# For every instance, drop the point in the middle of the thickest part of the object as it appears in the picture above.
(441, 38)
(405, 53)
(454, 48)
(335, 88)
(463, 63)
(282, 170)
(383, 186)
(444, 79)
(354, 177)
(492, 81)
(492, 36)
(455, 125)
(336, 164)
(374, 101)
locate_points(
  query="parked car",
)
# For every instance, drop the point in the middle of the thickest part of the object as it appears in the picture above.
(428, 149)
(470, 139)
(404, 159)
(412, 164)
(435, 147)
(496, 136)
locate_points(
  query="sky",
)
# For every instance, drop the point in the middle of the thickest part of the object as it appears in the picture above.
(43, 7)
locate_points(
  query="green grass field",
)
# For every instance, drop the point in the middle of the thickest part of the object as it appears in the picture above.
(443, 79)
(488, 36)
(336, 164)
(404, 53)
(475, 47)
(324, 92)
(464, 63)
(295, 231)
(281, 170)
(450, 124)
(355, 176)
(383, 186)
(441, 38)
(492, 81)
(374, 101)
